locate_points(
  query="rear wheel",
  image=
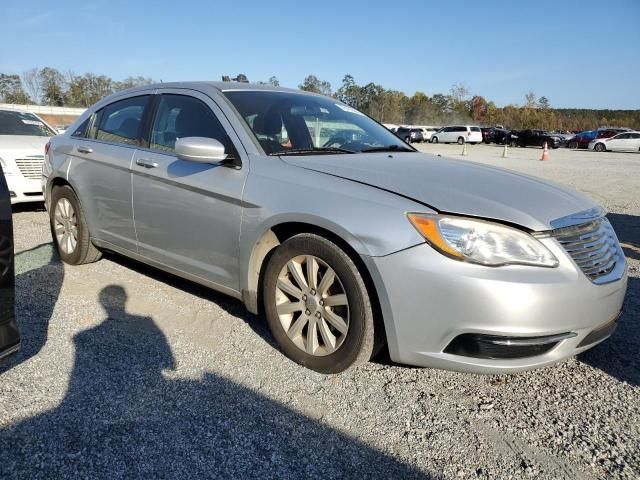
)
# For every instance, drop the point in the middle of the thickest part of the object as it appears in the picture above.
(317, 305)
(460, 140)
(408, 140)
(69, 228)
(600, 147)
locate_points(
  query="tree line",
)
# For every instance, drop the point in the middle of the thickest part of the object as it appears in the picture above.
(49, 86)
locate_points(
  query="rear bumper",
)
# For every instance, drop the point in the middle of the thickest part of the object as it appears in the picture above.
(429, 300)
(23, 189)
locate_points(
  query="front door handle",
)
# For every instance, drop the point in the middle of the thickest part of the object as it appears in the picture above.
(84, 149)
(143, 162)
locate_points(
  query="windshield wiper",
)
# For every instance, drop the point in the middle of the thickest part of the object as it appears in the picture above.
(304, 151)
(388, 148)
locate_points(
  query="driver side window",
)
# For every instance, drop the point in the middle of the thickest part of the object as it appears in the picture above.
(180, 116)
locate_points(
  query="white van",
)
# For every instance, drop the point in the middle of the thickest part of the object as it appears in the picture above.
(458, 134)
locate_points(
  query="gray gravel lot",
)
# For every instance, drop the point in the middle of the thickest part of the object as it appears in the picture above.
(126, 371)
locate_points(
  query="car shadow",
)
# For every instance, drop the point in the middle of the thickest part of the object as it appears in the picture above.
(229, 304)
(627, 228)
(39, 277)
(125, 415)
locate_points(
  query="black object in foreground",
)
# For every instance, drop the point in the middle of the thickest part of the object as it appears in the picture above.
(9, 336)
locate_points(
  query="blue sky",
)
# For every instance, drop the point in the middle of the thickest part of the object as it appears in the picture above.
(577, 53)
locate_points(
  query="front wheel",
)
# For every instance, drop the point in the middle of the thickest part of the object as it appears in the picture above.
(317, 305)
(434, 140)
(600, 147)
(69, 228)
(408, 140)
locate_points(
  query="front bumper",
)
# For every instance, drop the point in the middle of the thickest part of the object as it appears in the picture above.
(428, 300)
(24, 189)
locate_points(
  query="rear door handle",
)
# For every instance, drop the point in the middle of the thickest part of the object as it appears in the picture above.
(84, 149)
(143, 162)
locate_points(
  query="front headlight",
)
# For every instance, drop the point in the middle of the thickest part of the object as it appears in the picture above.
(482, 242)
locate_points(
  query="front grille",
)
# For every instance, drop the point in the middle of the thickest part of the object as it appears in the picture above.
(31, 167)
(592, 245)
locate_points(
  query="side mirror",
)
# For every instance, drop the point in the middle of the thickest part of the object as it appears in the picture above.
(200, 150)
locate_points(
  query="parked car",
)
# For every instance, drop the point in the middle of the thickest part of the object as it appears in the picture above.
(410, 135)
(495, 135)
(622, 142)
(582, 139)
(427, 133)
(9, 336)
(343, 244)
(23, 136)
(458, 134)
(536, 138)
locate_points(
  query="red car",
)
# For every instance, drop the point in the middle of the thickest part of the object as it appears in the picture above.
(583, 139)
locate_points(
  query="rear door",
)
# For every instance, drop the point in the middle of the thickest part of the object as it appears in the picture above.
(634, 142)
(9, 337)
(102, 171)
(187, 214)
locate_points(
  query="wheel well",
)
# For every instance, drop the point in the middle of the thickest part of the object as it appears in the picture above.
(267, 244)
(57, 182)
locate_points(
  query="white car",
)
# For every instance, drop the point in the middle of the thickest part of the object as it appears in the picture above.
(622, 142)
(458, 134)
(427, 132)
(23, 137)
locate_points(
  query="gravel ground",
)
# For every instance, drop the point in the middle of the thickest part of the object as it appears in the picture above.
(126, 371)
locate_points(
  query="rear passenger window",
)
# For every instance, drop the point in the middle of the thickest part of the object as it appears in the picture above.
(120, 121)
(82, 128)
(180, 116)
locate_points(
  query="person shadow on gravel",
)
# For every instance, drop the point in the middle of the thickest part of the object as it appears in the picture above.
(125, 416)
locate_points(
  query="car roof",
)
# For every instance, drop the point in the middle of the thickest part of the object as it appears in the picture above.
(220, 86)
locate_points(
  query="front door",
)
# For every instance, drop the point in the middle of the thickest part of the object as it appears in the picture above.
(187, 215)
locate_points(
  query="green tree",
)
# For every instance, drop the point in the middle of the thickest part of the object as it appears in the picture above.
(349, 92)
(313, 84)
(11, 90)
(53, 86)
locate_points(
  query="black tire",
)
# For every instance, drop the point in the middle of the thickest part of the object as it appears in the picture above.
(513, 143)
(408, 140)
(85, 251)
(434, 139)
(573, 145)
(460, 140)
(362, 341)
(599, 147)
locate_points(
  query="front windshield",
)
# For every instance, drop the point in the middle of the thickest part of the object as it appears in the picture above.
(19, 123)
(297, 123)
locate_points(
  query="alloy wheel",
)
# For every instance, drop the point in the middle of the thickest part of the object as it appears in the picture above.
(312, 305)
(66, 226)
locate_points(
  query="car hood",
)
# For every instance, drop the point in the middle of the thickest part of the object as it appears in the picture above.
(455, 186)
(22, 144)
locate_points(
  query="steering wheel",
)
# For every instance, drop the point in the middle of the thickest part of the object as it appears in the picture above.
(336, 139)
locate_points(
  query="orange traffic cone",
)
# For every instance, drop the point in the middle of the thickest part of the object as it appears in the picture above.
(545, 152)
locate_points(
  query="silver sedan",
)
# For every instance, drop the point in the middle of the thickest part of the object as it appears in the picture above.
(344, 237)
